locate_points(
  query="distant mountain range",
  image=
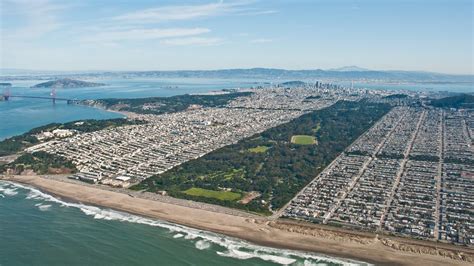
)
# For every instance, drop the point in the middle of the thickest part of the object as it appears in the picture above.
(343, 73)
(283, 74)
(349, 69)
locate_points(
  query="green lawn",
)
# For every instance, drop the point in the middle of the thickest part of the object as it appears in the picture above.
(220, 195)
(303, 140)
(259, 149)
(317, 128)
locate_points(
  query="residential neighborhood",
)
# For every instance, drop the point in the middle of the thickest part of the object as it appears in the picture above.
(410, 174)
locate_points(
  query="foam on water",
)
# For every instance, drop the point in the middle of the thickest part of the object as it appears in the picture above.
(44, 208)
(190, 236)
(6, 190)
(310, 263)
(178, 236)
(202, 244)
(238, 254)
(234, 247)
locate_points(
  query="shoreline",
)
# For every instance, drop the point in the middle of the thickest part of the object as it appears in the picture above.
(281, 233)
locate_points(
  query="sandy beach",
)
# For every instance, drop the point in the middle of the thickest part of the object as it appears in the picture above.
(380, 250)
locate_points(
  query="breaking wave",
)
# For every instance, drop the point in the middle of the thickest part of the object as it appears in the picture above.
(7, 190)
(178, 236)
(233, 247)
(44, 208)
(202, 244)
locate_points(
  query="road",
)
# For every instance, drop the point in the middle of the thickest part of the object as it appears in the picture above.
(437, 213)
(400, 171)
(356, 178)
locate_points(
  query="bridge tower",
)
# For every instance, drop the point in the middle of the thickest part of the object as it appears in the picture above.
(53, 95)
(6, 93)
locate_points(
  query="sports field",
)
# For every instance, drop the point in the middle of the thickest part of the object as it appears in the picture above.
(303, 140)
(220, 195)
(259, 149)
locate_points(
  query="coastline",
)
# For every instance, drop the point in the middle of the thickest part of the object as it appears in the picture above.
(125, 114)
(286, 234)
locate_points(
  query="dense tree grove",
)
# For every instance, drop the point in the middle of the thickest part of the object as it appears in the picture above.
(15, 144)
(40, 162)
(396, 96)
(458, 101)
(283, 169)
(161, 105)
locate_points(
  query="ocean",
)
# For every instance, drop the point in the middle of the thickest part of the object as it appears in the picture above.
(39, 229)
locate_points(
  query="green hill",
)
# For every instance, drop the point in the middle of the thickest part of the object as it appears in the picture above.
(67, 83)
(458, 101)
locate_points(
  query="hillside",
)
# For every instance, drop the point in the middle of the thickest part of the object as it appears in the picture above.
(346, 73)
(458, 101)
(295, 83)
(67, 83)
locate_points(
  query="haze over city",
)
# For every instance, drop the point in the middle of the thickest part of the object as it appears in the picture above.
(175, 35)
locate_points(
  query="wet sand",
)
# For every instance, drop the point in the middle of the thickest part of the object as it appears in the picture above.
(380, 250)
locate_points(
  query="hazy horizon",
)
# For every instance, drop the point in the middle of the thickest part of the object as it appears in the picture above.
(55, 35)
(216, 69)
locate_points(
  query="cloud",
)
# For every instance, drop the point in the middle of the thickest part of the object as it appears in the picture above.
(37, 18)
(201, 41)
(181, 12)
(186, 12)
(143, 34)
(261, 40)
(255, 12)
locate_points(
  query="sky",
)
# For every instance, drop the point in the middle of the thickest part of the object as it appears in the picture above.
(423, 35)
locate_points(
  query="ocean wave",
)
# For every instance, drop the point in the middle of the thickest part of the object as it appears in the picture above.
(202, 244)
(44, 208)
(234, 247)
(242, 255)
(310, 263)
(7, 190)
(190, 236)
(178, 236)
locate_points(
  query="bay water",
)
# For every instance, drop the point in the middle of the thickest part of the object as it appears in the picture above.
(18, 115)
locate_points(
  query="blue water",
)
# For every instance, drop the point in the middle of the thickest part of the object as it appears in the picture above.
(426, 87)
(38, 229)
(21, 114)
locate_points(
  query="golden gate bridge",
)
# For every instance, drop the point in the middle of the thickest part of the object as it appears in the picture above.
(52, 96)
